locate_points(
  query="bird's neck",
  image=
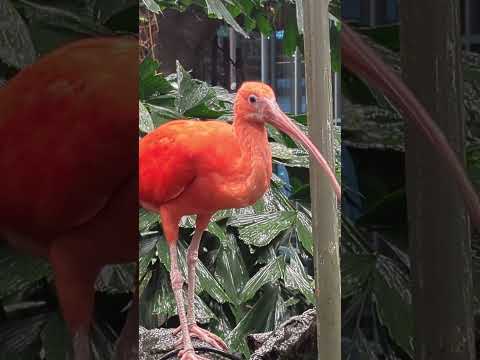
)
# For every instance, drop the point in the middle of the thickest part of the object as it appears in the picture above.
(253, 138)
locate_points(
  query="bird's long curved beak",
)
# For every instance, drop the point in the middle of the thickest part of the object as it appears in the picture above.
(282, 122)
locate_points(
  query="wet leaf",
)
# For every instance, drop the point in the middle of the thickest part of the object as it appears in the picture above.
(357, 269)
(261, 317)
(260, 230)
(16, 46)
(56, 339)
(117, 279)
(393, 299)
(216, 7)
(230, 270)
(146, 220)
(297, 279)
(190, 93)
(19, 271)
(303, 228)
(268, 274)
(146, 122)
(151, 83)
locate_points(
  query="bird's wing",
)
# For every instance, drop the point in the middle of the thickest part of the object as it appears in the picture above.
(166, 166)
(173, 155)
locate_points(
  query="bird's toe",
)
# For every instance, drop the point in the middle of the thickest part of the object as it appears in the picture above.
(208, 337)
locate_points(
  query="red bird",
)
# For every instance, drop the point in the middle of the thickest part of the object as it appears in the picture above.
(199, 167)
(68, 159)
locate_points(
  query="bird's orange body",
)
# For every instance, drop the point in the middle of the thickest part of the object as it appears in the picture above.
(68, 189)
(195, 167)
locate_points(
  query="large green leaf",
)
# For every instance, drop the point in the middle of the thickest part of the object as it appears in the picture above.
(56, 338)
(151, 82)
(296, 278)
(18, 338)
(230, 269)
(218, 9)
(16, 46)
(145, 119)
(268, 274)
(393, 299)
(260, 230)
(190, 93)
(261, 317)
(19, 272)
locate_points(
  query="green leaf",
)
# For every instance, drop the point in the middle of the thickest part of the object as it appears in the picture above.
(299, 10)
(157, 299)
(261, 317)
(268, 274)
(117, 279)
(205, 280)
(151, 83)
(152, 6)
(18, 337)
(357, 270)
(296, 278)
(16, 46)
(146, 122)
(230, 269)
(216, 7)
(191, 93)
(56, 339)
(146, 220)
(394, 305)
(292, 35)
(262, 229)
(263, 24)
(303, 228)
(217, 230)
(18, 271)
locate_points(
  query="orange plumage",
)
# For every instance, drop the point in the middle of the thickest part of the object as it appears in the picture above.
(68, 161)
(193, 167)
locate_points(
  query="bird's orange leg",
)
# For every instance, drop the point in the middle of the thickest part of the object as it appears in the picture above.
(176, 278)
(192, 258)
(75, 288)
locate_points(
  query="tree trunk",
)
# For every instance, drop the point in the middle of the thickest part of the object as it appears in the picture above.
(438, 222)
(319, 105)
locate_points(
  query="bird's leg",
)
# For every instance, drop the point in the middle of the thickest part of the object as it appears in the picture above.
(176, 278)
(192, 259)
(81, 344)
(75, 288)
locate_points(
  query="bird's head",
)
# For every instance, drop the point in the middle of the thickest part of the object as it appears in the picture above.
(256, 103)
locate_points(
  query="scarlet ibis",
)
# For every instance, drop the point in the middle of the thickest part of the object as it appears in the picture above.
(199, 167)
(68, 159)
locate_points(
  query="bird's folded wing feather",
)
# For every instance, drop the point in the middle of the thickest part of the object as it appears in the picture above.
(173, 155)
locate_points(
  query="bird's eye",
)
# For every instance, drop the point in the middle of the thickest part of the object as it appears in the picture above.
(252, 99)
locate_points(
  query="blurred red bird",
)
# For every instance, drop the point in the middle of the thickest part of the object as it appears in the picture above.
(69, 170)
(199, 167)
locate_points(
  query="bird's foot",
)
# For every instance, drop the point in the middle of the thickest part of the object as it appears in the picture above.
(203, 335)
(189, 354)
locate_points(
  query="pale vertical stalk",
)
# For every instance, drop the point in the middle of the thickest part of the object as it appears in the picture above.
(325, 231)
